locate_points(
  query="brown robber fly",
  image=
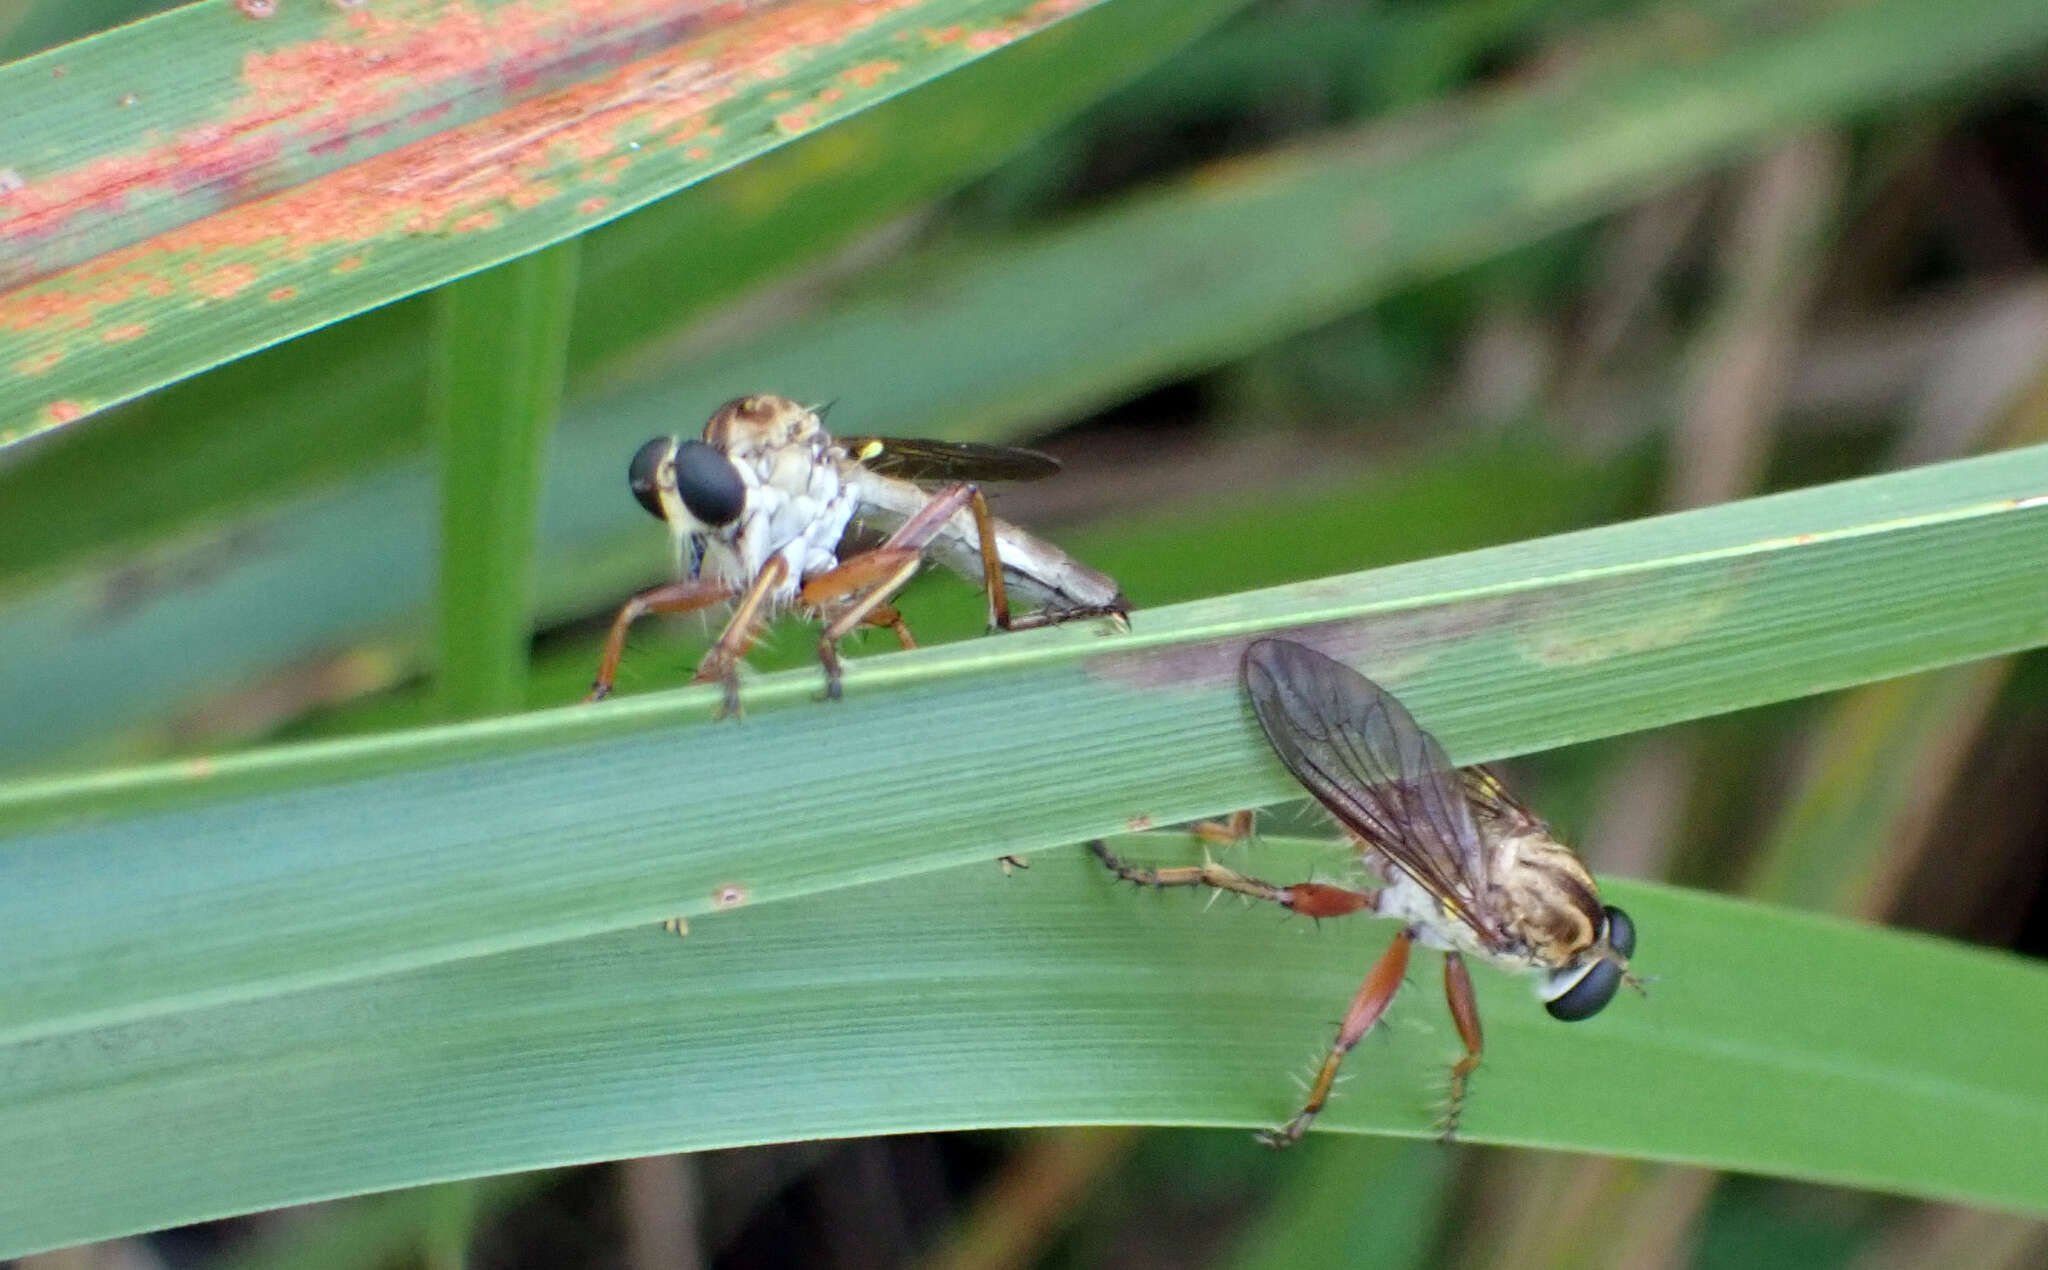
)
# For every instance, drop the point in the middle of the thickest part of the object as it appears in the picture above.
(757, 509)
(1467, 868)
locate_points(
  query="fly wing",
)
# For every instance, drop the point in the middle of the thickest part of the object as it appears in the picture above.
(948, 460)
(1364, 757)
(1487, 796)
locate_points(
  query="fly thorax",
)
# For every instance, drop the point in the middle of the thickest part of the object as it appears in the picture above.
(1405, 899)
(796, 509)
(747, 426)
(1546, 899)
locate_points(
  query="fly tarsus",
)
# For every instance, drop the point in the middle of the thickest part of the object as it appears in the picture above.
(722, 668)
(1287, 1134)
(1118, 611)
(1310, 899)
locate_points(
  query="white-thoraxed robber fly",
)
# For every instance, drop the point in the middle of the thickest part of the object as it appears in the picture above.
(1467, 868)
(758, 507)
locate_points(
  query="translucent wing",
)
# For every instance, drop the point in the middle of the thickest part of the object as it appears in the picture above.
(1364, 757)
(1492, 801)
(948, 460)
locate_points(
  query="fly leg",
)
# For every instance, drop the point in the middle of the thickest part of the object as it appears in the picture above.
(1227, 832)
(999, 615)
(858, 591)
(886, 615)
(672, 597)
(722, 663)
(1310, 899)
(871, 578)
(1313, 899)
(1374, 996)
(1465, 1013)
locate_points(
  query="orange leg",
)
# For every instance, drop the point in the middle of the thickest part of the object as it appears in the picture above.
(1319, 900)
(672, 597)
(859, 588)
(722, 663)
(869, 579)
(886, 615)
(1310, 899)
(1228, 832)
(1465, 1013)
(991, 566)
(999, 615)
(1374, 996)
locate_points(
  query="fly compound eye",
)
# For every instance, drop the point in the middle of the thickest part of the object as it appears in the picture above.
(1621, 932)
(1588, 994)
(644, 474)
(709, 484)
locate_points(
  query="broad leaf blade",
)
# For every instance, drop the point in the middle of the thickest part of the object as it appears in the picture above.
(141, 891)
(966, 999)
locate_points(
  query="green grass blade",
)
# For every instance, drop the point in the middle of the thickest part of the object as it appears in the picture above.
(499, 350)
(131, 893)
(1775, 1042)
(396, 173)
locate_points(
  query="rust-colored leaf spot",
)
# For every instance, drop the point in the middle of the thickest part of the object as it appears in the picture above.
(1138, 824)
(63, 411)
(869, 74)
(256, 8)
(533, 194)
(332, 125)
(39, 363)
(124, 332)
(731, 895)
(225, 281)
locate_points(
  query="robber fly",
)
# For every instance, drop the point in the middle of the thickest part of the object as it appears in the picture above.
(757, 509)
(1468, 869)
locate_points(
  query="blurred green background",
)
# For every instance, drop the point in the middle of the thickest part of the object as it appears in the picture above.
(1293, 287)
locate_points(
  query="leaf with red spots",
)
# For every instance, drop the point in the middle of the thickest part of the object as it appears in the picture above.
(189, 188)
